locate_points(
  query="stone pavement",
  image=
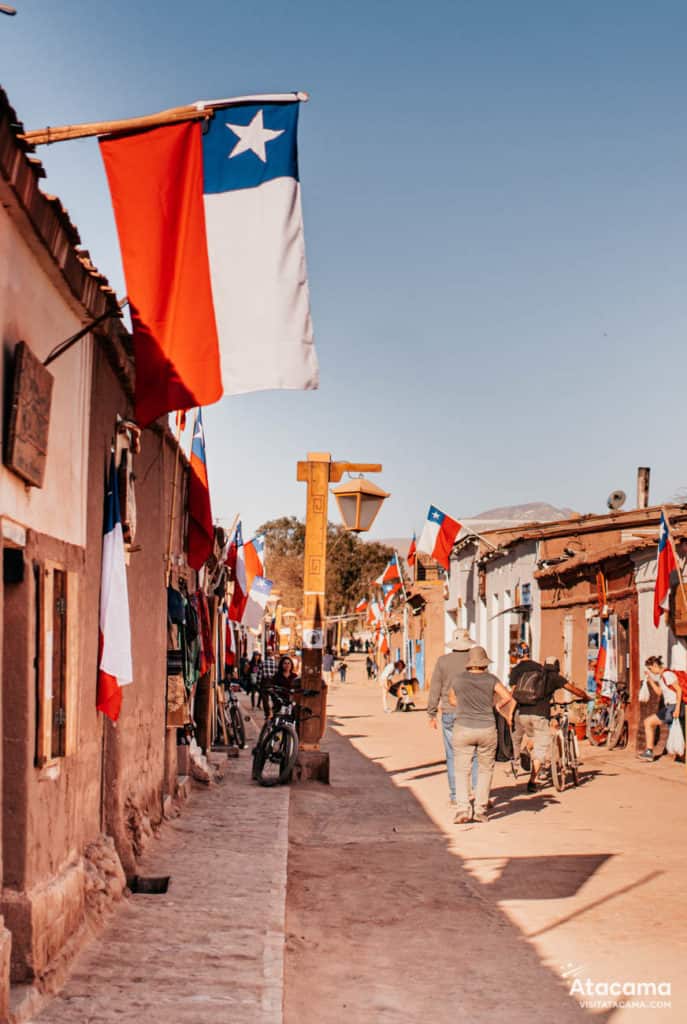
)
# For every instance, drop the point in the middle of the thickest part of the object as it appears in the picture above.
(212, 947)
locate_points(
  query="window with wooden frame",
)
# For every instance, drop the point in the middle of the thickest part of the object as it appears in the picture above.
(56, 650)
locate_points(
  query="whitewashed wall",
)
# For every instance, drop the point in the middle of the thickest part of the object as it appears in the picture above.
(654, 639)
(37, 309)
(488, 627)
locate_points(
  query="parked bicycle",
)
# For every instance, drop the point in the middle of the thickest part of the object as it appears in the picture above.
(275, 753)
(565, 757)
(607, 718)
(230, 720)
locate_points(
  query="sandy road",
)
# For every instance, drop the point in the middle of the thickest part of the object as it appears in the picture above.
(396, 914)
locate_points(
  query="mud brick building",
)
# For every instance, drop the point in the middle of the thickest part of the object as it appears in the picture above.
(79, 796)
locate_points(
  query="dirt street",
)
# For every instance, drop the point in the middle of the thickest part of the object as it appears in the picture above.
(396, 914)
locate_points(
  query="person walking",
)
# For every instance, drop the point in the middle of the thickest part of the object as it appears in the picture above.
(539, 683)
(253, 674)
(343, 668)
(665, 685)
(386, 681)
(328, 665)
(478, 692)
(267, 669)
(369, 667)
(448, 667)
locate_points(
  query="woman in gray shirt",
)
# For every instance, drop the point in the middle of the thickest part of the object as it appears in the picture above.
(478, 693)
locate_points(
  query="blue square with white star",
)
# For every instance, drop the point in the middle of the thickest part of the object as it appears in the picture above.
(249, 145)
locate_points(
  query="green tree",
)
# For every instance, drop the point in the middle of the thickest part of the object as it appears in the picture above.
(352, 563)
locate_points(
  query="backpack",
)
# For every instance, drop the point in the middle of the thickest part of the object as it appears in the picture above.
(682, 680)
(530, 687)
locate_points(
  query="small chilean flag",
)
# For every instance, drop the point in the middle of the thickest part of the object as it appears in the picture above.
(250, 565)
(361, 605)
(410, 557)
(211, 234)
(438, 536)
(200, 537)
(390, 574)
(114, 667)
(664, 569)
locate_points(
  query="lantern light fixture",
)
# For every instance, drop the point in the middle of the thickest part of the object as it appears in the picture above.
(359, 501)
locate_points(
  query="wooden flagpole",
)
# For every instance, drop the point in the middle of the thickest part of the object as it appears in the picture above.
(203, 109)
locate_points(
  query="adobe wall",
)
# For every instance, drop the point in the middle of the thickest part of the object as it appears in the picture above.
(5, 937)
(49, 813)
(136, 768)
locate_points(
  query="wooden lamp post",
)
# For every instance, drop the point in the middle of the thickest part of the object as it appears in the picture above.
(359, 503)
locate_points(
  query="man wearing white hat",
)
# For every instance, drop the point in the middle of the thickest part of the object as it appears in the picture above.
(446, 671)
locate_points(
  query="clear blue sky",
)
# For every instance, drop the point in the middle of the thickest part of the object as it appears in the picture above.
(495, 201)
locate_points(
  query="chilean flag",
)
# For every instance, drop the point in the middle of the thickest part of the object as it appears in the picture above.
(200, 539)
(389, 590)
(438, 536)
(249, 566)
(664, 569)
(390, 574)
(211, 234)
(410, 557)
(254, 610)
(232, 551)
(602, 658)
(361, 605)
(114, 667)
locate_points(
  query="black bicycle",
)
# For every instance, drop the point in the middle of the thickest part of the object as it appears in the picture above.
(230, 722)
(275, 753)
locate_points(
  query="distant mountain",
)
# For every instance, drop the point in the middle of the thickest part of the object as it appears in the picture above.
(531, 512)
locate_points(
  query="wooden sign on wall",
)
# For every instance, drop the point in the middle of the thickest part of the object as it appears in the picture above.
(29, 421)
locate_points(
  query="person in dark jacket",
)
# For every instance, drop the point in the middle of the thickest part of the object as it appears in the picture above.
(533, 720)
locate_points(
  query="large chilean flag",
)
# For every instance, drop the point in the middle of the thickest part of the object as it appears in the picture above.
(438, 536)
(211, 234)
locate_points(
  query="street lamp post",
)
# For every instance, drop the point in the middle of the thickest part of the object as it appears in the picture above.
(317, 472)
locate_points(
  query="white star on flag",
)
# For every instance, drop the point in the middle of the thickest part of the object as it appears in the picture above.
(253, 137)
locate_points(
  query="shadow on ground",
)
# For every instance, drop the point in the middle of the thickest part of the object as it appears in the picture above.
(385, 923)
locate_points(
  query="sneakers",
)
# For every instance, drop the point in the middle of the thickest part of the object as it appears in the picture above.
(531, 786)
(648, 755)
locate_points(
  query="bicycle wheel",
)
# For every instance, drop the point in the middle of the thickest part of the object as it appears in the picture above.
(573, 760)
(278, 756)
(237, 726)
(558, 763)
(597, 725)
(616, 726)
(258, 751)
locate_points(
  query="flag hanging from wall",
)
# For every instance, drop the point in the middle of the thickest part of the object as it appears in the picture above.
(250, 564)
(665, 567)
(438, 536)
(114, 663)
(200, 537)
(258, 595)
(215, 274)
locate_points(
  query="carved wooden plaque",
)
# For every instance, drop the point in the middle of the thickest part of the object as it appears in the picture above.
(29, 420)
